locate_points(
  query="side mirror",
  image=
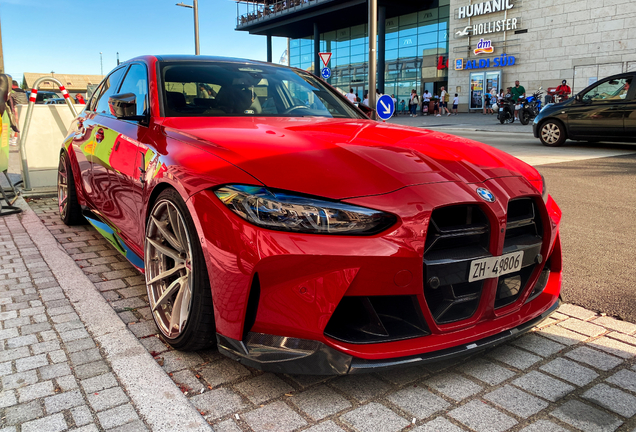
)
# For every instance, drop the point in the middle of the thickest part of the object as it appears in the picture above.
(367, 111)
(124, 106)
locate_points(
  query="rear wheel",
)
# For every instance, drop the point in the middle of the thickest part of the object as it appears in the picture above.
(70, 210)
(506, 116)
(552, 134)
(176, 276)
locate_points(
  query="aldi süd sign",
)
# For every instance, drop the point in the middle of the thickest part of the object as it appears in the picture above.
(503, 60)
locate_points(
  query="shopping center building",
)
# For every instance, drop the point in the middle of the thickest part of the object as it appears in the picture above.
(468, 46)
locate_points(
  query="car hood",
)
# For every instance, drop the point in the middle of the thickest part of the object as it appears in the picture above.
(339, 159)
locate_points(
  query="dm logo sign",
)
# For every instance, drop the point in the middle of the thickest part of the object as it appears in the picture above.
(484, 47)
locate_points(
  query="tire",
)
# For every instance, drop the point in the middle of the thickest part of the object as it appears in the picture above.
(70, 210)
(506, 116)
(525, 117)
(552, 133)
(177, 276)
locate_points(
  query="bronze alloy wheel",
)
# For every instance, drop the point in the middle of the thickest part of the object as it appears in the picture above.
(62, 186)
(70, 210)
(168, 262)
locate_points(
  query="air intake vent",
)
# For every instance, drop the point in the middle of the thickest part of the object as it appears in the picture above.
(523, 232)
(456, 236)
(363, 320)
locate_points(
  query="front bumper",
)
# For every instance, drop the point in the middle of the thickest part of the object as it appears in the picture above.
(315, 358)
(276, 289)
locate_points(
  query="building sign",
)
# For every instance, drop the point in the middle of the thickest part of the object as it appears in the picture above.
(497, 62)
(484, 8)
(489, 27)
(484, 47)
(441, 64)
(459, 64)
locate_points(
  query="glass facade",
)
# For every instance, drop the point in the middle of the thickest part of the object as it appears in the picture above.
(416, 54)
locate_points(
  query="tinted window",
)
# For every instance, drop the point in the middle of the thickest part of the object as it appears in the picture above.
(136, 82)
(108, 88)
(215, 89)
(611, 91)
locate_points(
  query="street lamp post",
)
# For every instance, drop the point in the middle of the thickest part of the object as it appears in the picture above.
(196, 23)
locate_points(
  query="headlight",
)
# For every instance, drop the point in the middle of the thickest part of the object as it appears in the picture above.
(544, 191)
(282, 211)
(541, 187)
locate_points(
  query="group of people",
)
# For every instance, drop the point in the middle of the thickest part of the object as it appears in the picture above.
(269, 7)
(423, 103)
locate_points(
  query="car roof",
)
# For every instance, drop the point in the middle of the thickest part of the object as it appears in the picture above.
(202, 59)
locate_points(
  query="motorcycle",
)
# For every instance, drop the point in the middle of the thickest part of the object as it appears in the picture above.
(506, 112)
(530, 107)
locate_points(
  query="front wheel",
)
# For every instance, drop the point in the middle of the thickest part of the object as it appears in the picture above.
(176, 276)
(525, 117)
(552, 134)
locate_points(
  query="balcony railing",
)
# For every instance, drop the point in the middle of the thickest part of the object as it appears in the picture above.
(265, 9)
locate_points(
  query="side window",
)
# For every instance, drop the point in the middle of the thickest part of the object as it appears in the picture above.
(136, 82)
(611, 91)
(108, 88)
(92, 103)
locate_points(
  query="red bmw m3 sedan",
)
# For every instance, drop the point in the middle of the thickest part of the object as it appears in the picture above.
(276, 220)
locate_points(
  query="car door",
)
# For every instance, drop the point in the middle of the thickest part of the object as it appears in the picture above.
(127, 160)
(99, 139)
(630, 112)
(600, 111)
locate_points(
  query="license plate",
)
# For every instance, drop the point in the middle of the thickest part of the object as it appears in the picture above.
(500, 109)
(485, 268)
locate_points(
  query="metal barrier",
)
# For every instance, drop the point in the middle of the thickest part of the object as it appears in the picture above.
(27, 123)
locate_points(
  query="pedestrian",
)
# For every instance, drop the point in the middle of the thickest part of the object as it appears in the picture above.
(351, 96)
(414, 103)
(487, 104)
(516, 92)
(79, 99)
(444, 97)
(455, 103)
(436, 106)
(16, 97)
(366, 99)
(403, 107)
(493, 98)
(563, 91)
(395, 105)
(426, 99)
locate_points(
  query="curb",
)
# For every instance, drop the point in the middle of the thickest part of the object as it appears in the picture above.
(157, 399)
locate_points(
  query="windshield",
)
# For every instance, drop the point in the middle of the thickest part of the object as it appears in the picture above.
(220, 89)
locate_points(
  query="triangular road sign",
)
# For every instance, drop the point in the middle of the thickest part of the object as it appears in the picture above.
(325, 57)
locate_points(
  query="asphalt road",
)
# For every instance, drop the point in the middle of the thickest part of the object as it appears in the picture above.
(598, 229)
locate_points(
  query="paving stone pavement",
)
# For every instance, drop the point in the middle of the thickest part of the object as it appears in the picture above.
(577, 372)
(53, 375)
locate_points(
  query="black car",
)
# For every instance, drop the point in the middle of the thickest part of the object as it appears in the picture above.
(604, 111)
(44, 95)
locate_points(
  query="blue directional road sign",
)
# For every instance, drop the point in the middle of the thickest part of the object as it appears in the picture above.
(326, 73)
(385, 107)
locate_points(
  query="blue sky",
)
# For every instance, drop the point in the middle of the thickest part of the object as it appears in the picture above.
(66, 36)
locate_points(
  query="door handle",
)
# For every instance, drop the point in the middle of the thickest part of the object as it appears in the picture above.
(142, 169)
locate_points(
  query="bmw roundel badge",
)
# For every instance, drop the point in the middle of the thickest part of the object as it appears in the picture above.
(486, 195)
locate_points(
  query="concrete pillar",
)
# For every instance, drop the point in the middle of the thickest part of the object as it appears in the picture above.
(269, 48)
(316, 50)
(381, 46)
